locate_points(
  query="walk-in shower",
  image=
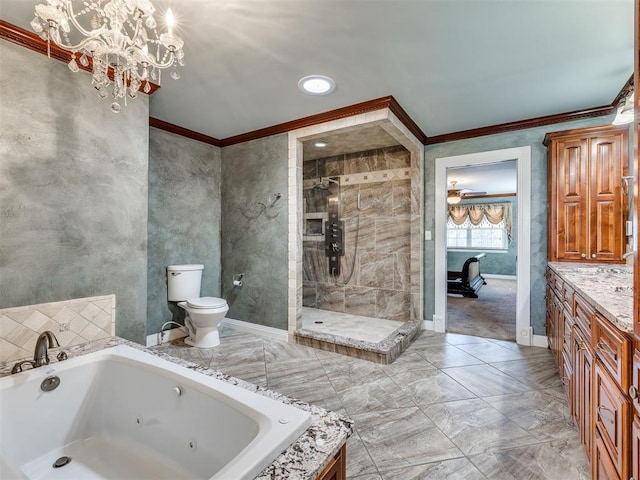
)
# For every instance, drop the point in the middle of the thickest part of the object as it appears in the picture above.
(357, 234)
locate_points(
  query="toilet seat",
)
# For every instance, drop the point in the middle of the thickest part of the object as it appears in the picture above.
(206, 302)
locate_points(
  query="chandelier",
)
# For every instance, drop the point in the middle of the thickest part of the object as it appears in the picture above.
(122, 38)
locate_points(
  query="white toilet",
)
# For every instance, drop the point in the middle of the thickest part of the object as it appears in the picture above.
(203, 313)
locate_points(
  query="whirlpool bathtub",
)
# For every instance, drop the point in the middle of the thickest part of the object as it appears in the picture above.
(121, 413)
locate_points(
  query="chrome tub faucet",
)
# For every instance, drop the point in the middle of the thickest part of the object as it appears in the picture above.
(45, 341)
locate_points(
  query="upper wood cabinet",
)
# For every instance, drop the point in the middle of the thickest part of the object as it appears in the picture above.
(587, 209)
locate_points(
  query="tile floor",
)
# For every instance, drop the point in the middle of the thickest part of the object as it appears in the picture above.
(451, 407)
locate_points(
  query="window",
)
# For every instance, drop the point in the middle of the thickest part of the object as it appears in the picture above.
(483, 236)
(476, 226)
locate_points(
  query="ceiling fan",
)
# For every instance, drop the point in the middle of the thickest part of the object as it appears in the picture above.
(455, 195)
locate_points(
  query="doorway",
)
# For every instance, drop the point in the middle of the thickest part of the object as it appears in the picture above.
(522, 157)
(482, 250)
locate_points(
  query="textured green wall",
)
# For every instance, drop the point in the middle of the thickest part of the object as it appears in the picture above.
(73, 190)
(254, 240)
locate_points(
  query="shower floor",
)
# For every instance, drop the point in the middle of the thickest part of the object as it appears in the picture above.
(368, 329)
(368, 338)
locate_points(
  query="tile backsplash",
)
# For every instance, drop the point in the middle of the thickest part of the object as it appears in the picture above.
(72, 321)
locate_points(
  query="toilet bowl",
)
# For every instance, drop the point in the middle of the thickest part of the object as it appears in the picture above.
(203, 314)
(203, 317)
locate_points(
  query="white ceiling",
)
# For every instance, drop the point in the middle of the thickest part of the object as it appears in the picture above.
(495, 178)
(452, 64)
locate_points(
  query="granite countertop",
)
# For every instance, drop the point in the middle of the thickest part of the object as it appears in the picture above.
(302, 460)
(609, 288)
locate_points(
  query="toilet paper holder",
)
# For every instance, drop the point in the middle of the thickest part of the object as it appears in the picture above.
(237, 280)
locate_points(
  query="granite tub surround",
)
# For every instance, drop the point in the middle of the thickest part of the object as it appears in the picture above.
(302, 460)
(380, 285)
(74, 322)
(608, 288)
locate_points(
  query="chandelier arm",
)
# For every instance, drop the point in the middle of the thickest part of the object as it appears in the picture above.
(167, 64)
(76, 48)
(76, 24)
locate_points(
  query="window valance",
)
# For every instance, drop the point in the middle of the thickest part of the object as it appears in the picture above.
(475, 213)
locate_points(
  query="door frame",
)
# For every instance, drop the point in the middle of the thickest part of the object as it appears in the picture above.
(522, 155)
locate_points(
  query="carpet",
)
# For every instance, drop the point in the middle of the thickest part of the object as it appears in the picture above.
(491, 315)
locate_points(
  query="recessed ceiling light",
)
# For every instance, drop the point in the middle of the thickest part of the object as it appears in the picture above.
(320, 144)
(317, 85)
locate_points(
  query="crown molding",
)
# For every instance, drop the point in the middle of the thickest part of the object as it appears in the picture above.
(406, 120)
(624, 91)
(358, 108)
(522, 124)
(30, 40)
(185, 132)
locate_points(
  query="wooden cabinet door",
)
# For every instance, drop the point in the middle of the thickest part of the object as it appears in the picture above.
(569, 193)
(582, 362)
(635, 448)
(602, 468)
(606, 233)
(587, 206)
(634, 392)
(611, 411)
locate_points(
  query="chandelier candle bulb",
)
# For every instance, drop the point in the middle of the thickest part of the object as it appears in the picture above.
(170, 21)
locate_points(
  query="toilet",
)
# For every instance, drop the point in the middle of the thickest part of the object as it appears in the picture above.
(203, 313)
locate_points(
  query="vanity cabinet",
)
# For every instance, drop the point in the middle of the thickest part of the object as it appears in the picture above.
(594, 359)
(587, 210)
(635, 425)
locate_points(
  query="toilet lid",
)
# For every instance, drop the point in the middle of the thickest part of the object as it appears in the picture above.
(206, 302)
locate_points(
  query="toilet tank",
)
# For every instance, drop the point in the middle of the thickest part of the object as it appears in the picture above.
(183, 282)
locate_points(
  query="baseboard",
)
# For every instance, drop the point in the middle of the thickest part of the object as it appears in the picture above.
(499, 277)
(540, 341)
(427, 325)
(261, 330)
(438, 323)
(167, 336)
(237, 325)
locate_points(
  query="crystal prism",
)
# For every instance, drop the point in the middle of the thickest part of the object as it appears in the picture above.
(73, 66)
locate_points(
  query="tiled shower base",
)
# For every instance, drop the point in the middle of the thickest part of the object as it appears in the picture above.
(373, 339)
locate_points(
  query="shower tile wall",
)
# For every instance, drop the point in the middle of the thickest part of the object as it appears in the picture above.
(380, 284)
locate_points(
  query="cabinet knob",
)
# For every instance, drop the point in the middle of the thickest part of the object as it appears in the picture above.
(593, 255)
(633, 392)
(584, 255)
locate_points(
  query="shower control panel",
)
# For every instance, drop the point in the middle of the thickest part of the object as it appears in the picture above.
(334, 242)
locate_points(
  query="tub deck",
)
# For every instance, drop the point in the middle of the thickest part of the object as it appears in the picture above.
(304, 458)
